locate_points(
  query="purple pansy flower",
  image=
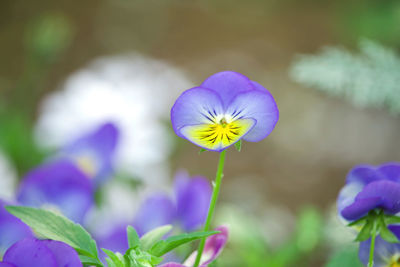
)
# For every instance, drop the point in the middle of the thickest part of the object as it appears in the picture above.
(94, 152)
(188, 210)
(385, 254)
(213, 248)
(60, 185)
(225, 108)
(368, 187)
(31, 252)
(12, 229)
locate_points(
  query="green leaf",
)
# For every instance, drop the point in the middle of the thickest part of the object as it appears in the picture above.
(309, 229)
(365, 232)
(89, 261)
(385, 233)
(110, 263)
(391, 219)
(238, 145)
(150, 238)
(133, 237)
(359, 221)
(56, 227)
(164, 246)
(117, 262)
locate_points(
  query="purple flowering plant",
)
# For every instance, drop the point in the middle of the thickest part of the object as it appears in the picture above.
(224, 110)
(370, 201)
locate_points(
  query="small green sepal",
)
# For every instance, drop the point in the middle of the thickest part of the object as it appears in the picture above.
(238, 145)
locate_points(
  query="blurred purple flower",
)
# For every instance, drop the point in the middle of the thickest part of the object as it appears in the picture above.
(385, 254)
(31, 252)
(213, 248)
(189, 211)
(12, 229)
(60, 185)
(225, 108)
(367, 188)
(94, 152)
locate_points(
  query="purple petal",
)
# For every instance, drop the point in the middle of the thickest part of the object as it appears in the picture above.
(12, 229)
(361, 208)
(64, 254)
(58, 184)
(114, 240)
(228, 84)
(363, 174)
(94, 152)
(347, 195)
(195, 106)
(391, 171)
(5, 264)
(258, 105)
(193, 199)
(383, 253)
(30, 252)
(156, 211)
(212, 249)
(395, 230)
(379, 194)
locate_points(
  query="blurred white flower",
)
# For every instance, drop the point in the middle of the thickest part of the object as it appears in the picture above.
(132, 91)
(8, 179)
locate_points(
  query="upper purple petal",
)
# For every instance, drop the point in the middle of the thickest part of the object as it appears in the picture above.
(60, 184)
(364, 174)
(258, 105)
(99, 148)
(390, 171)
(30, 252)
(193, 199)
(157, 210)
(228, 84)
(195, 106)
(12, 229)
(379, 194)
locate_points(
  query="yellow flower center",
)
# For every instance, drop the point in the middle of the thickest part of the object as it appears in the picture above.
(87, 164)
(222, 133)
(394, 261)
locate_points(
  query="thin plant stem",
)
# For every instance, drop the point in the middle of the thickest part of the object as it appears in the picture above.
(214, 198)
(372, 246)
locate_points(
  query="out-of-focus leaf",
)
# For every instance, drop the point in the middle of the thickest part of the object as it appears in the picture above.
(348, 257)
(150, 238)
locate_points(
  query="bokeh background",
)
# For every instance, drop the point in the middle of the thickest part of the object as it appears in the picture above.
(332, 66)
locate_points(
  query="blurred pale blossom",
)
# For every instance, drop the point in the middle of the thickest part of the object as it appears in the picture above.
(8, 178)
(132, 91)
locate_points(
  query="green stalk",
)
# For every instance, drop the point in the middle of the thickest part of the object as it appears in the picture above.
(214, 198)
(372, 246)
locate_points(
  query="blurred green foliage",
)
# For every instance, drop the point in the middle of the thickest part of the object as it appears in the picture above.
(247, 247)
(346, 257)
(17, 143)
(367, 79)
(372, 19)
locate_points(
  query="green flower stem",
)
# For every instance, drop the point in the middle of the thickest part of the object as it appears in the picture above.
(372, 246)
(214, 198)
